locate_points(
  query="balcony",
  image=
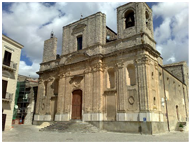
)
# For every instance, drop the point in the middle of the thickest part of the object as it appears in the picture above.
(20, 100)
(10, 66)
(8, 97)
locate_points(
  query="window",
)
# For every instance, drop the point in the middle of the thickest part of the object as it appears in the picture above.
(55, 86)
(131, 79)
(7, 58)
(111, 78)
(4, 88)
(154, 101)
(129, 19)
(79, 42)
(177, 111)
(45, 86)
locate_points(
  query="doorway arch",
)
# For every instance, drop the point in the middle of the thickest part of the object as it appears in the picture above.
(76, 104)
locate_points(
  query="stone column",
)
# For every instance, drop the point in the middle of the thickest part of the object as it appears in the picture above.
(49, 95)
(40, 94)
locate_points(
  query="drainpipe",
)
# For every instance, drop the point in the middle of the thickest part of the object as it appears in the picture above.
(165, 101)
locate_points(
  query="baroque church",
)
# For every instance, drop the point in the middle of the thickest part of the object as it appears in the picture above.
(115, 81)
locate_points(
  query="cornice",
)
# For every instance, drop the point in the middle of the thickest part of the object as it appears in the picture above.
(11, 41)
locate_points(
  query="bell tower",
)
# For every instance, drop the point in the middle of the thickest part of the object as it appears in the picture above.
(50, 48)
(135, 19)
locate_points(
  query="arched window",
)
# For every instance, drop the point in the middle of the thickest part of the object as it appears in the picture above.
(147, 19)
(131, 79)
(154, 101)
(129, 19)
(111, 78)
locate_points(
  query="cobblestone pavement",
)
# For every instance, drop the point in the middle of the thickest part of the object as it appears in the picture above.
(29, 133)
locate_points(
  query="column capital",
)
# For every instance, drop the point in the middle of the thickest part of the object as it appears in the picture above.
(62, 75)
(143, 60)
(98, 66)
(50, 79)
(119, 65)
(40, 81)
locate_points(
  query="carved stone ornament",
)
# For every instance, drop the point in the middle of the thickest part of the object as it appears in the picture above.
(131, 100)
(75, 81)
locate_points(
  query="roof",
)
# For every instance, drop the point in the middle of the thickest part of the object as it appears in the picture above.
(175, 64)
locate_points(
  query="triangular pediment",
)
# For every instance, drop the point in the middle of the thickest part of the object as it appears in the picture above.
(75, 58)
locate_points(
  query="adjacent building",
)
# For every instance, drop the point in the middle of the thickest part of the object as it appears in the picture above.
(11, 51)
(25, 100)
(116, 81)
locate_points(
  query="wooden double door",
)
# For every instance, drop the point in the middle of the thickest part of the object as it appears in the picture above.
(77, 104)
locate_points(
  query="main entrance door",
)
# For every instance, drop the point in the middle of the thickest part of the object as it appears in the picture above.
(77, 104)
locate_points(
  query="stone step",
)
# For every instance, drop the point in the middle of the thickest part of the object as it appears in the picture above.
(72, 126)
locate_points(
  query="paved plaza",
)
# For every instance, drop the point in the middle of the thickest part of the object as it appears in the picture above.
(31, 133)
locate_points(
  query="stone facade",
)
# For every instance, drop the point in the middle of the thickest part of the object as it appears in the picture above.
(119, 77)
(11, 51)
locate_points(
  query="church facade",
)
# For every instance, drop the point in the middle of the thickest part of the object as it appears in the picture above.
(116, 81)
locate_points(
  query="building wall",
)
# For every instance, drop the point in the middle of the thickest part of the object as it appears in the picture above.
(92, 29)
(10, 75)
(176, 93)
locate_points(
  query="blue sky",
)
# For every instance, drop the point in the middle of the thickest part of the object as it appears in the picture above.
(31, 24)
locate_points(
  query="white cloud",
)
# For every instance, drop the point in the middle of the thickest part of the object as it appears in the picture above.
(172, 35)
(29, 70)
(31, 24)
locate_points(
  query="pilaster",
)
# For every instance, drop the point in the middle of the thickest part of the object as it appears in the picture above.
(120, 86)
(97, 87)
(142, 64)
(67, 97)
(61, 91)
(88, 91)
(40, 94)
(49, 95)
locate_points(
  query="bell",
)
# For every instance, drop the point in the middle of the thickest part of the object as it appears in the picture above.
(129, 20)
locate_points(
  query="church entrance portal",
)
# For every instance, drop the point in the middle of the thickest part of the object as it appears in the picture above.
(77, 104)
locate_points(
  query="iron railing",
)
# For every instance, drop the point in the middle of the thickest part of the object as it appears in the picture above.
(11, 64)
(9, 96)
